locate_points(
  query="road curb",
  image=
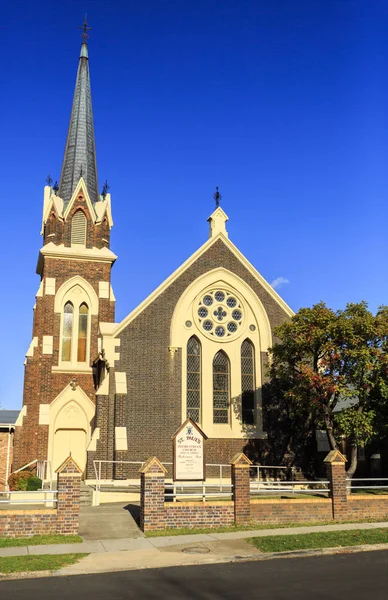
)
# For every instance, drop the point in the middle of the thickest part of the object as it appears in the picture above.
(208, 561)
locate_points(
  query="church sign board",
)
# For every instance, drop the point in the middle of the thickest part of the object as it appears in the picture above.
(189, 452)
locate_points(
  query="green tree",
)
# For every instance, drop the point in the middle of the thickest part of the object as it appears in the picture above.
(327, 360)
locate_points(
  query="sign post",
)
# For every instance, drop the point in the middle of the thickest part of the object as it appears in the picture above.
(189, 452)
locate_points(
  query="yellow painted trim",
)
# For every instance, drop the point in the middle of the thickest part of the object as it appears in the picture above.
(81, 185)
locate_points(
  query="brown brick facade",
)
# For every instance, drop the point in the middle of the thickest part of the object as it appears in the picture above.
(6, 451)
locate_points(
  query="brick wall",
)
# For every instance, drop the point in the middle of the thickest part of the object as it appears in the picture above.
(365, 506)
(154, 378)
(64, 519)
(196, 514)
(4, 440)
(291, 511)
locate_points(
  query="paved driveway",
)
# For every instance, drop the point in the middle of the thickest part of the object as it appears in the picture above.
(109, 521)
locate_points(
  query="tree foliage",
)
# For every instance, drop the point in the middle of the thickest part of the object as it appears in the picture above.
(335, 365)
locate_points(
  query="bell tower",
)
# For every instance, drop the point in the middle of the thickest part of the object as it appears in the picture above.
(73, 297)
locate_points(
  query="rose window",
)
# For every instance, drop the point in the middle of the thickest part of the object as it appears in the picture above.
(219, 314)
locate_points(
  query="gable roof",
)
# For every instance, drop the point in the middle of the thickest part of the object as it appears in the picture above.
(8, 417)
(178, 272)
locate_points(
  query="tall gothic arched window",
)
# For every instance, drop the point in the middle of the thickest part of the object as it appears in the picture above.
(193, 382)
(82, 332)
(248, 382)
(221, 388)
(78, 228)
(67, 331)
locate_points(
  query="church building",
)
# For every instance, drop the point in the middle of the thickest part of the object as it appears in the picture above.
(196, 347)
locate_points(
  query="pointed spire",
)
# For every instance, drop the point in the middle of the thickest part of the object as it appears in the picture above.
(80, 150)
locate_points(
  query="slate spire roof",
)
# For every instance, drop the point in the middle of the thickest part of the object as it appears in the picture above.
(80, 151)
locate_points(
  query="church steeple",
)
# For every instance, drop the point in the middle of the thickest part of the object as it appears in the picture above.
(80, 151)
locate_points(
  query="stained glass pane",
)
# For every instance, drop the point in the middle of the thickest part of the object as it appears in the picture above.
(82, 332)
(220, 388)
(193, 382)
(247, 383)
(67, 331)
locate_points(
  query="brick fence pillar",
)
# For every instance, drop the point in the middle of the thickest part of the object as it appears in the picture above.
(68, 498)
(335, 467)
(152, 511)
(241, 488)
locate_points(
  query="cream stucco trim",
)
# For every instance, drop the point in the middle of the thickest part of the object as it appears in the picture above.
(93, 442)
(50, 200)
(103, 289)
(50, 286)
(80, 289)
(121, 382)
(72, 368)
(81, 187)
(39, 293)
(104, 207)
(167, 282)
(121, 442)
(47, 344)
(34, 344)
(44, 414)
(69, 398)
(76, 252)
(261, 339)
(103, 389)
(21, 415)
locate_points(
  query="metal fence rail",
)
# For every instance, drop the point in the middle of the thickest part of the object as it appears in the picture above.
(189, 490)
(290, 487)
(16, 497)
(377, 486)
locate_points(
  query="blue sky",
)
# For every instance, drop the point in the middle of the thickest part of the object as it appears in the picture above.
(283, 105)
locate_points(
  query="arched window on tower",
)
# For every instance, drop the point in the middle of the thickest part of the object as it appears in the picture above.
(67, 331)
(82, 332)
(221, 388)
(193, 386)
(78, 228)
(248, 383)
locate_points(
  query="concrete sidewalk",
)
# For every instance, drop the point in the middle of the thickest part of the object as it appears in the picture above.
(232, 541)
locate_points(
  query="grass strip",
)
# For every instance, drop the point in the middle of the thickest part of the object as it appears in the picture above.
(40, 540)
(43, 562)
(327, 539)
(249, 527)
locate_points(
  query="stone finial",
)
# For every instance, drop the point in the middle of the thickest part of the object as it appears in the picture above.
(69, 466)
(240, 459)
(335, 457)
(153, 464)
(217, 223)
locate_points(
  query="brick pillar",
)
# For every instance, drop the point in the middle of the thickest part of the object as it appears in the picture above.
(241, 488)
(152, 511)
(336, 474)
(68, 486)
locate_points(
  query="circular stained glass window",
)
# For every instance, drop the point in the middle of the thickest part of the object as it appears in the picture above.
(232, 327)
(207, 325)
(208, 300)
(219, 296)
(236, 315)
(231, 302)
(202, 312)
(220, 331)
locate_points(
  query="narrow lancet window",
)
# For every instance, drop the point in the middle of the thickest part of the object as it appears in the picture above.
(221, 388)
(193, 394)
(82, 332)
(67, 331)
(248, 383)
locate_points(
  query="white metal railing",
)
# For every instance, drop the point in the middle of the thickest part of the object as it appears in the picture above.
(30, 497)
(376, 486)
(97, 465)
(289, 487)
(195, 490)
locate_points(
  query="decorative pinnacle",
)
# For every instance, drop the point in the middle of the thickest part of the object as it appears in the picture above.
(56, 188)
(217, 197)
(49, 180)
(85, 29)
(105, 189)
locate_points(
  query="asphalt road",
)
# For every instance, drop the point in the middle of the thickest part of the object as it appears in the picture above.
(361, 576)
